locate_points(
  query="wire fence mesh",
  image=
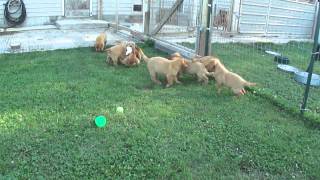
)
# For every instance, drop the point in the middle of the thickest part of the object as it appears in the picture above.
(182, 24)
(255, 31)
(246, 36)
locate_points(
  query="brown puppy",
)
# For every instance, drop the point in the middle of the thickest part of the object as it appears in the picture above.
(160, 65)
(196, 68)
(116, 53)
(208, 61)
(137, 52)
(175, 55)
(133, 58)
(100, 42)
(230, 79)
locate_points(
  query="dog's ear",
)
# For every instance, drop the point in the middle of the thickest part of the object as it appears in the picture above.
(211, 67)
(186, 64)
(214, 64)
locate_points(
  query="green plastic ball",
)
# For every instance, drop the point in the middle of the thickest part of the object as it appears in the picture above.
(101, 121)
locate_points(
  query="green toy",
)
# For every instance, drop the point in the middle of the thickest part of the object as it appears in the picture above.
(101, 121)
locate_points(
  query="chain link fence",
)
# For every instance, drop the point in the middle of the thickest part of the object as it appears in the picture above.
(257, 38)
(250, 37)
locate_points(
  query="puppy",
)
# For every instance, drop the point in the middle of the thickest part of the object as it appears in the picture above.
(100, 42)
(133, 56)
(137, 52)
(160, 65)
(230, 79)
(115, 53)
(176, 55)
(208, 61)
(196, 68)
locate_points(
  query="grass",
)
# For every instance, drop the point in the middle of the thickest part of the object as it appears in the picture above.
(48, 101)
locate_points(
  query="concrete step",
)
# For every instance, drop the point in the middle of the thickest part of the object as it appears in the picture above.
(30, 28)
(51, 39)
(67, 24)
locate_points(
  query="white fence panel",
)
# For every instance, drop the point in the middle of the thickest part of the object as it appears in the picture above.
(277, 17)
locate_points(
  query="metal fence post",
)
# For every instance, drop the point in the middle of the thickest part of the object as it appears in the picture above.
(314, 57)
(117, 15)
(204, 37)
(100, 9)
(146, 18)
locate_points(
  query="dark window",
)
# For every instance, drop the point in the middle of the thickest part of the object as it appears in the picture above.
(137, 7)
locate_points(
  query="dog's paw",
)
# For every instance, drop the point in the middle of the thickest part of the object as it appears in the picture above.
(168, 85)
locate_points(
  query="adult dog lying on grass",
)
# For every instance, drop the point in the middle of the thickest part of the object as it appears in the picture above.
(169, 68)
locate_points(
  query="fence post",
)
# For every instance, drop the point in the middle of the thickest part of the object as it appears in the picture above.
(314, 57)
(267, 19)
(235, 15)
(204, 32)
(117, 16)
(100, 9)
(146, 17)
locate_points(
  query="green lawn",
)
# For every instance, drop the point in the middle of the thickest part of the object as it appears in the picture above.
(48, 101)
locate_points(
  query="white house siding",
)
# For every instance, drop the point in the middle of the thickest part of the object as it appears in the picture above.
(94, 7)
(222, 4)
(38, 11)
(253, 16)
(277, 17)
(125, 7)
(268, 17)
(1, 12)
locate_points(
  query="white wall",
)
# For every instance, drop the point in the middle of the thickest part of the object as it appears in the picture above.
(125, 7)
(1, 12)
(280, 17)
(38, 11)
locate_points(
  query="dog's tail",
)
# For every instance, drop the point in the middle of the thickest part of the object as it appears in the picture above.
(144, 57)
(248, 84)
